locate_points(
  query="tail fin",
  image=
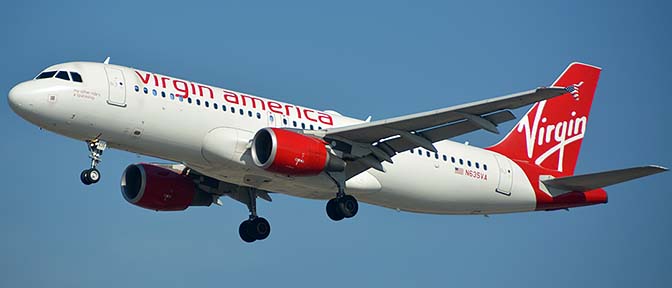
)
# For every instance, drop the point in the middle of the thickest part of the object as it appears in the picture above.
(550, 134)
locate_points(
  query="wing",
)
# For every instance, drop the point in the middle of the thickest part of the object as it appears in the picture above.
(365, 145)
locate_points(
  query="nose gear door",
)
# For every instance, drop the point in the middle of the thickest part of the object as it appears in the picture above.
(117, 91)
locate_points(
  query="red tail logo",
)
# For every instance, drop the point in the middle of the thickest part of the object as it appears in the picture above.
(550, 134)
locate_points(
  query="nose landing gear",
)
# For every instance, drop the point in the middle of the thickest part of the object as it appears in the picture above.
(92, 175)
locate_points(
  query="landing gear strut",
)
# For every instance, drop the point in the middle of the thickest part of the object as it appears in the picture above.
(343, 206)
(254, 228)
(92, 175)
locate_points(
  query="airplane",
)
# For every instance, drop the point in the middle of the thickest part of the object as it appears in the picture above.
(221, 142)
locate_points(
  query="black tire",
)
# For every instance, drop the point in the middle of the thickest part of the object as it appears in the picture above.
(244, 231)
(84, 176)
(260, 228)
(93, 175)
(333, 212)
(348, 206)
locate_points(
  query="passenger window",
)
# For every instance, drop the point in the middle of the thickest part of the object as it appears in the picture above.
(258, 115)
(163, 94)
(63, 75)
(469, 163)
(303, 125)
(198, 102)
(461, 162)
(452, 159)
(178, 97)
(294, 123)
(445, 158)
(154, 92)
(233, 110)
(242, 112)
(224, 108)
(436, 155)
(477, 165)
(412, 151)
(189, 100)
(207, 104)
(214, 106)
(419, 152)
(312, 127)
(137, 88)
(428, 155)
(78, 78)
(249, 113)
(284, 121)
(319, 127)
(45, 75)
(485, 167)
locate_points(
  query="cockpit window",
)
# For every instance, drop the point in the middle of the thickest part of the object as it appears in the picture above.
(47, 74)
(63, 75)
(76, 77)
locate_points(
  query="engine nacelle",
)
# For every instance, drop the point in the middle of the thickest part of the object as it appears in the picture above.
(290, 153)
(157, 188)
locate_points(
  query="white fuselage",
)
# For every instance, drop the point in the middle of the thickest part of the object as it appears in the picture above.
(111, 103)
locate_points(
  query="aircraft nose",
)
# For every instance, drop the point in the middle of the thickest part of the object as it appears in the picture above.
(17, 98)
(13, 97)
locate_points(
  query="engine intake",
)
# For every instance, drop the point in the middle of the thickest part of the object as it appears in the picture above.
(286, 152)
(157, 188)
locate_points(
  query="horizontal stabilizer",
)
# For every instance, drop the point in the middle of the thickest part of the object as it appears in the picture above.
(587, 182)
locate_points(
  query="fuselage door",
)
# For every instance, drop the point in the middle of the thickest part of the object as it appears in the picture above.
(117, 91)
(505, 175)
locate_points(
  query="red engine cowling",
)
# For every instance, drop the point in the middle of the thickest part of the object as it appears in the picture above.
(291, 153)
(157, 188)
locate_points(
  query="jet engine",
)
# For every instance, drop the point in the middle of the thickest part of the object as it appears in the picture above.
(157, 188)
(290, 153)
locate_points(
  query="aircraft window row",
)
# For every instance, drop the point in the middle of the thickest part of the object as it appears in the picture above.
(452, 159)
(215, 106)
(63, 75)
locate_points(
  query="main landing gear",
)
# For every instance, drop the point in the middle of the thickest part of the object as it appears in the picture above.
(92, 175)
(343, 206)
(255, 228)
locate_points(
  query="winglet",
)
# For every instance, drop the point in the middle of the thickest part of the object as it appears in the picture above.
(107, 60)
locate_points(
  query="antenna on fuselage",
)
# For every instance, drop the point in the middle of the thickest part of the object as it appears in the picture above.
(107, 60)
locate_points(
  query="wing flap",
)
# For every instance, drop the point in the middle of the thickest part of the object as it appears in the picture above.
(587, 182)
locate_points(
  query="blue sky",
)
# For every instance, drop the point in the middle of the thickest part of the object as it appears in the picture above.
(383, 59)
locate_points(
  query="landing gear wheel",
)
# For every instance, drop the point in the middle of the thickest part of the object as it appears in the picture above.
(260, 228)
(85, 177)
(90, 176)
(93, 175)
(255, 229)
(333, 212)
(347, 206)
(244, 231)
